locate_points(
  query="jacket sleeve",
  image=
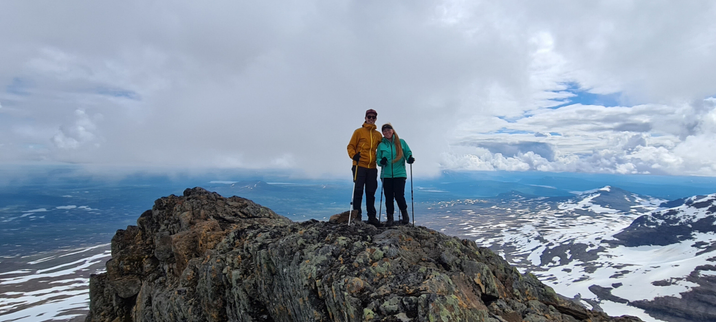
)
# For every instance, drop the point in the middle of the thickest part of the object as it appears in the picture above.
(380, 153)
(406, 150)
(353, 145)
(379, 139)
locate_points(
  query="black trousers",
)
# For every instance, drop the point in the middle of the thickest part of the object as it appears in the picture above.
(367, 178)
(394, 189)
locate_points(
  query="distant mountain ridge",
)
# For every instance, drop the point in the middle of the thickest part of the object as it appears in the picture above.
(611, 248)
(567, 240)
(672, 225)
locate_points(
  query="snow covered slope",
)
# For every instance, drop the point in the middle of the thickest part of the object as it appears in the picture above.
(609, 248)
(49, 287)
(696, 215)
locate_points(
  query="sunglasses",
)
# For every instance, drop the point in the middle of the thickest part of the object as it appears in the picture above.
(372, 117)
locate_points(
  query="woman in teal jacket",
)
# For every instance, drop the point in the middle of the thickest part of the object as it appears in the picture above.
(393, 152)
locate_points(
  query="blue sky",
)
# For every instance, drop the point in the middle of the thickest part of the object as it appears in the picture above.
(584, 97)
(598, 87)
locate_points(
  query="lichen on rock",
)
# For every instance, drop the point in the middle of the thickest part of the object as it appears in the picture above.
(203, 257)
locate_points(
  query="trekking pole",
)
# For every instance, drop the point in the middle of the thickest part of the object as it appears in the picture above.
(380, 204)
(392, 179)
(412, 203)
(350, 208)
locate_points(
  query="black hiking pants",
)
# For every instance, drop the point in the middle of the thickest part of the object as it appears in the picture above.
(367, 178)
(394, 189)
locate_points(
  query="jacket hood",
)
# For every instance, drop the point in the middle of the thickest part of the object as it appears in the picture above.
(369, 126)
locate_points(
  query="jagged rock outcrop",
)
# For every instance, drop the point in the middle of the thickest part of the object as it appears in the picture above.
(202, 257)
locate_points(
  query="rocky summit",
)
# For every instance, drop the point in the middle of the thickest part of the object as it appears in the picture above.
(203, 257)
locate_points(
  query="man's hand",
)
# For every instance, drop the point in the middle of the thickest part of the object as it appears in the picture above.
(356, 157)
(384, 161)
(411, 159)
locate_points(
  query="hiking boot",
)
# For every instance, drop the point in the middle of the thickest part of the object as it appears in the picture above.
(373, 221)
(390, 221)
(406, 217)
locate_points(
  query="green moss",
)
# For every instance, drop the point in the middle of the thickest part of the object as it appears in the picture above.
(446, 309)
(358, 246)
(391, 306)
(309, 267)
(377, 255)
(342, 241)
(368, 315)
(363, 259)
(381, 269)
(550, 291)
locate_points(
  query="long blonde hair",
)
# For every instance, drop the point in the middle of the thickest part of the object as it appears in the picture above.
(396, 138)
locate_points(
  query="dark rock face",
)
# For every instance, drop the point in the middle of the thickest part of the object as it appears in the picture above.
(697, 305)
(202, 257)
(673, 225)
(614, 198)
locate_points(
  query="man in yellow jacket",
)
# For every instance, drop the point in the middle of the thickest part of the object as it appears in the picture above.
(361, 149)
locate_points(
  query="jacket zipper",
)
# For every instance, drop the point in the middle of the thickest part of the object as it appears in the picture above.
(371, 147)
(392, 148)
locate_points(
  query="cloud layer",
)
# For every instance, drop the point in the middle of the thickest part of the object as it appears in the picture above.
(604, 86)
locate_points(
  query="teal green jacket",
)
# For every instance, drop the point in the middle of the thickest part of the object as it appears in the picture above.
(386, 149)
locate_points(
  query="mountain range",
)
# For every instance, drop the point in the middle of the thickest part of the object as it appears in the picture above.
(610, 249)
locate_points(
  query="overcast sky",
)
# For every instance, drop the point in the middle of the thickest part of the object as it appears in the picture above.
(589, 86)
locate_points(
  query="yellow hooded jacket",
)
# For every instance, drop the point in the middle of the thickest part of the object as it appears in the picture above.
(365, 140)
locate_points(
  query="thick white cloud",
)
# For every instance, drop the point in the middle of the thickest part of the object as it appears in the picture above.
(646, 139)
(468, 84)
(78, 135)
